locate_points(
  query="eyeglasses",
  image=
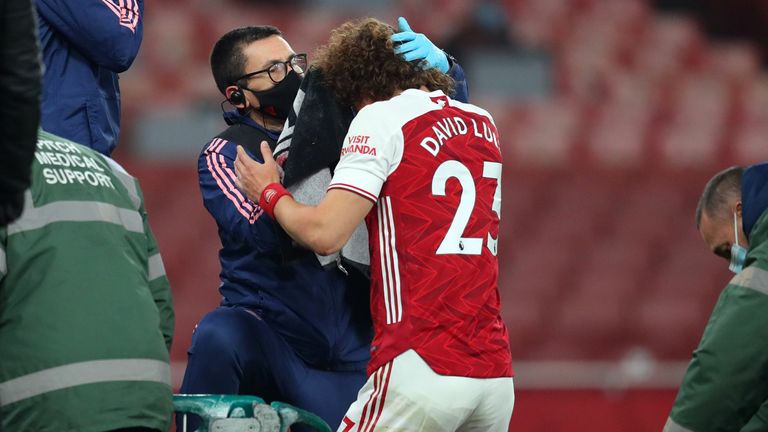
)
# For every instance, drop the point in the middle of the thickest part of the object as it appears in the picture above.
(278, 71)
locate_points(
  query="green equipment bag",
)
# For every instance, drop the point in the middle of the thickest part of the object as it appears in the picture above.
(239, 413)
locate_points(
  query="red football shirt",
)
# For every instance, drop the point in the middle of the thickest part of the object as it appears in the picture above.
(432, 167)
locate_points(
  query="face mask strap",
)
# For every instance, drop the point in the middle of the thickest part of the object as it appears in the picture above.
(738, 253)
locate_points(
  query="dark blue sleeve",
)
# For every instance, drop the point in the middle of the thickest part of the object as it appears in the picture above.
(107, 32)
(462, 91)
(239, 219)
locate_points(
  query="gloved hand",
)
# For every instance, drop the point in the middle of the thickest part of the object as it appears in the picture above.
(416, 46)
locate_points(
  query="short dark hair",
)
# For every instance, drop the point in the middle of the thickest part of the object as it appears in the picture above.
(359, 62)
(719, 193)
(227, 58)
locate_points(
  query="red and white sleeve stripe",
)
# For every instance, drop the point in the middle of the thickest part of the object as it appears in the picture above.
(362, 192)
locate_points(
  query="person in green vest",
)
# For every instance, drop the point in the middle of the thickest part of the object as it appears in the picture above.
(86, 318)
(726, 385)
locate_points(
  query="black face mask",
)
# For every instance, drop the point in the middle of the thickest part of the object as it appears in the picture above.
(277, 101)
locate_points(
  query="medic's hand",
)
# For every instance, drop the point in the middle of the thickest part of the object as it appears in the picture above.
(252, 176)
(416, 46)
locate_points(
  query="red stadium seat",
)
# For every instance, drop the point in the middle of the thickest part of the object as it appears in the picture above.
(669, 326)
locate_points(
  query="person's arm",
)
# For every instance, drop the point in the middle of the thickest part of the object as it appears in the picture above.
(324, 228)
(240, 220)
(727, 380)
(354, 189)
(158, 281)
(107, 32)
(20, 90)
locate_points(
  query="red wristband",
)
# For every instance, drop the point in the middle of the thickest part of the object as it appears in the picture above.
(270, 196)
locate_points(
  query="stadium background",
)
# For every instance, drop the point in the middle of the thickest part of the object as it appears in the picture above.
(612, 114)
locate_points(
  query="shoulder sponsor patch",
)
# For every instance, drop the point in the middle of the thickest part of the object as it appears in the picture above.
(358, 144)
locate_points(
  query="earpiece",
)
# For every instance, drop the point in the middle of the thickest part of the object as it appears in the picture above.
(237, 97)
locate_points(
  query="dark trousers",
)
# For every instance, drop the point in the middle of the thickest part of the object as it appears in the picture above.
(235, 352)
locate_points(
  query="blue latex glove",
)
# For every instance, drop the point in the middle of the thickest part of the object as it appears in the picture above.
(416, 46)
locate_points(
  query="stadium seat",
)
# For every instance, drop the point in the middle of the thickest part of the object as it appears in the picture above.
(670, 326)
(545, 137)
(593, 320)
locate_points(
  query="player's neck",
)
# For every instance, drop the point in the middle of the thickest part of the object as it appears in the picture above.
(367, 101)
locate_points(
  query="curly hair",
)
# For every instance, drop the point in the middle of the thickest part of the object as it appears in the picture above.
(359, 63)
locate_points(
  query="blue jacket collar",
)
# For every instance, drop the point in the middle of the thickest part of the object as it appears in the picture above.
(754, 195)
(237, 116)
